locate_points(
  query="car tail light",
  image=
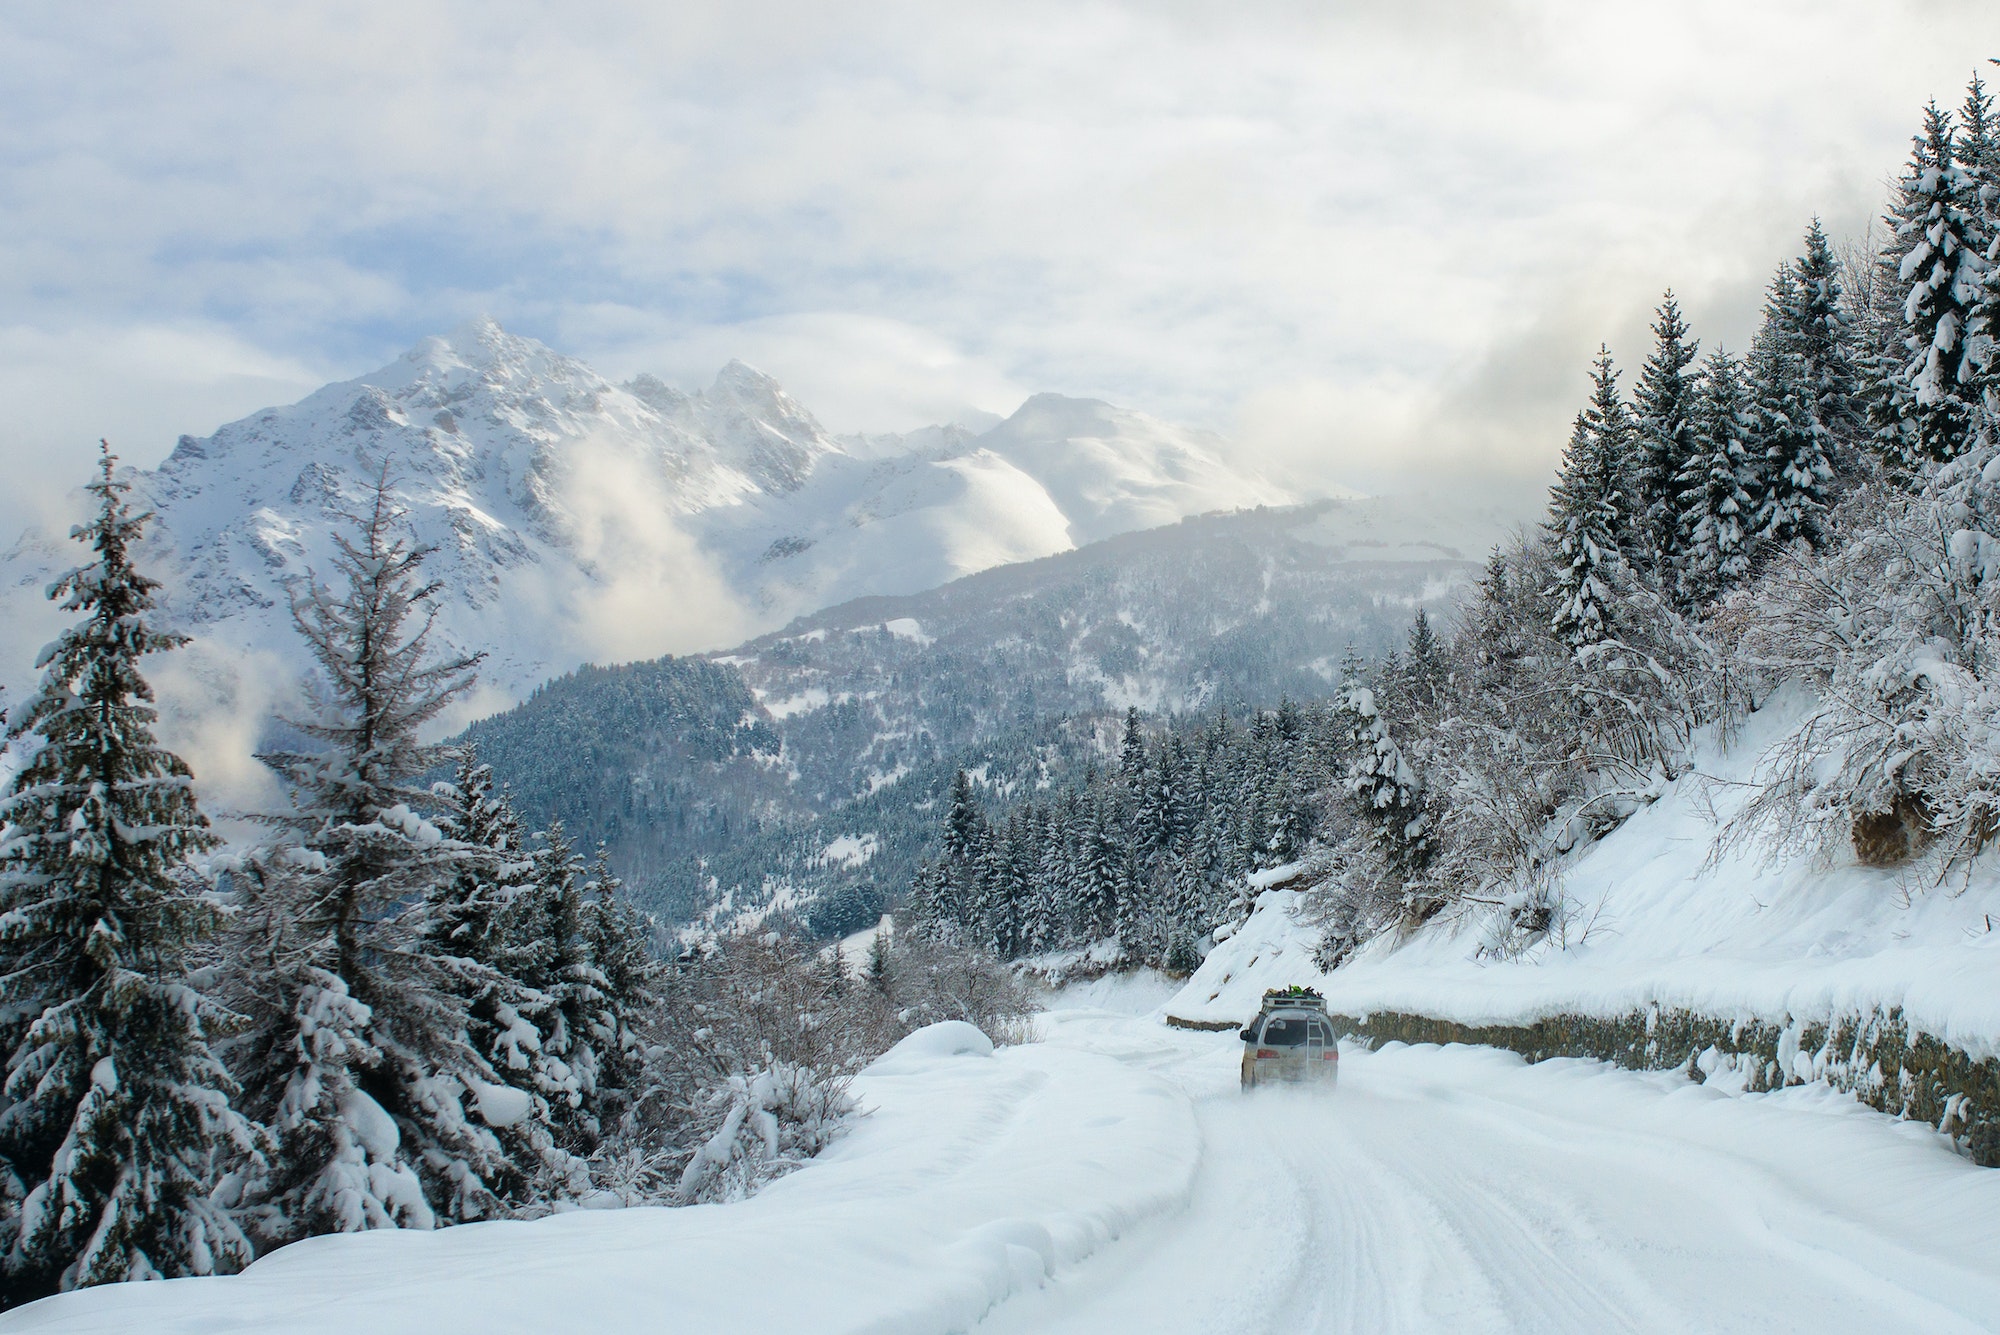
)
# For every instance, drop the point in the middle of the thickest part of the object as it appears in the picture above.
(1329, 1056)
(1265, 1052)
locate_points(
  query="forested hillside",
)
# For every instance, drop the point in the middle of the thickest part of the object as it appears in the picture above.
(1821, 511)
(800, 770)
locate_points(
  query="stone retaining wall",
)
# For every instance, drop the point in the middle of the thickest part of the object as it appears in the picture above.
(1875, 1057)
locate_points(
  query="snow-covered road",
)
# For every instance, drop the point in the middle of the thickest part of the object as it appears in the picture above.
(1461, 1190)
(1112, 1178)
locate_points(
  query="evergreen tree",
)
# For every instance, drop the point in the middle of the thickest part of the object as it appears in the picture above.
(1665, 405)
(472, 928)
(470, 914)
(1100, 870)
(1424, 668)
(619, 940)
(1979, 155)
(965, 831)
(1387, 793)
(879, 964)
(1946, 277)
(1715, 519)
(932, 915)
(117, 1114)
(1789, 473)
(1588, 513)
(1816, 330)
(1821, 334)
(361, 1061)
(552, 957)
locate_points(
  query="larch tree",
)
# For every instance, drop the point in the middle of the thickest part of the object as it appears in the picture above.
(361, 1061)
(117, 1115)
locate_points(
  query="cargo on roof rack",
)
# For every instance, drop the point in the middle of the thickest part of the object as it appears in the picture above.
(1293, 996)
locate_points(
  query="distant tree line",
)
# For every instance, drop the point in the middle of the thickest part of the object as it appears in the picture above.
(1148, 850)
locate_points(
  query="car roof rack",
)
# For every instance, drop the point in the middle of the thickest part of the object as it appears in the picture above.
(1305, 997)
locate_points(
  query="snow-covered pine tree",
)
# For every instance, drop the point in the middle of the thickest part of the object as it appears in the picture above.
(1788, 474)
(1980, 155)
(1885, 391)
(1716, 513)
(1134, 921)
(1132, 757)
(1042, 916)
(472, 926)
(1664, 406)
(1003, 885)
(1425, 672)
(550, 955)
(930, 917)
(1589, 513)
(117, 1115)
(619, 940)
(947, 898)
(879, 966)
(1098, 853)
(1819, 332)
(1387, 793)
(1946, 277)
(360, 1061)
(1184, 918)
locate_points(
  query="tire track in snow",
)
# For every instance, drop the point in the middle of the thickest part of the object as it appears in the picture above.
(1460, 1190)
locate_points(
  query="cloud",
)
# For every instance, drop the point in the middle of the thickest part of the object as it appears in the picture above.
(650, 590)
(216, 703)
(854, 372)
(67, 388)
(897, 208)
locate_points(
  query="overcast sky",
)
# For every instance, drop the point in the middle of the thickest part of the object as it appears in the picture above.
(1370, 242)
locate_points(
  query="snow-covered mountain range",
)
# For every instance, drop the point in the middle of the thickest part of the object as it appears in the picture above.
(578, 519)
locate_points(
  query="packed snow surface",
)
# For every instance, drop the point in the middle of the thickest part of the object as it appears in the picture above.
(1112, 1177)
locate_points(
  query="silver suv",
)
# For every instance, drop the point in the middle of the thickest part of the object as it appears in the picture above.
(1291, 1041)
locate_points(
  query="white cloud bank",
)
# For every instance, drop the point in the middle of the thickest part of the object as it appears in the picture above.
(1371, 240)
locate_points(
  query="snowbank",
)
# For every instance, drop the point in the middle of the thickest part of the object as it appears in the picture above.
(977, 1173)
(1658, 919)
(1132, 992)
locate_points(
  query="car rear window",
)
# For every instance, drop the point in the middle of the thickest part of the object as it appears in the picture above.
(1284, 1031)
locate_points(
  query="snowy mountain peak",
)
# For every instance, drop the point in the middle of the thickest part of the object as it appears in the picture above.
(1112, 470)
(762, 429)
(573, 518)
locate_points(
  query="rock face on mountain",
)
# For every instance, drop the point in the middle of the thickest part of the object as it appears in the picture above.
(575, 519)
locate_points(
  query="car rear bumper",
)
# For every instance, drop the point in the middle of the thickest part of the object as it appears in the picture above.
(1300, 1070)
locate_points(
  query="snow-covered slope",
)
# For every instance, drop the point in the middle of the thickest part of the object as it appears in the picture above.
(1656, 916)
(974, 1175)
(576, 519)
